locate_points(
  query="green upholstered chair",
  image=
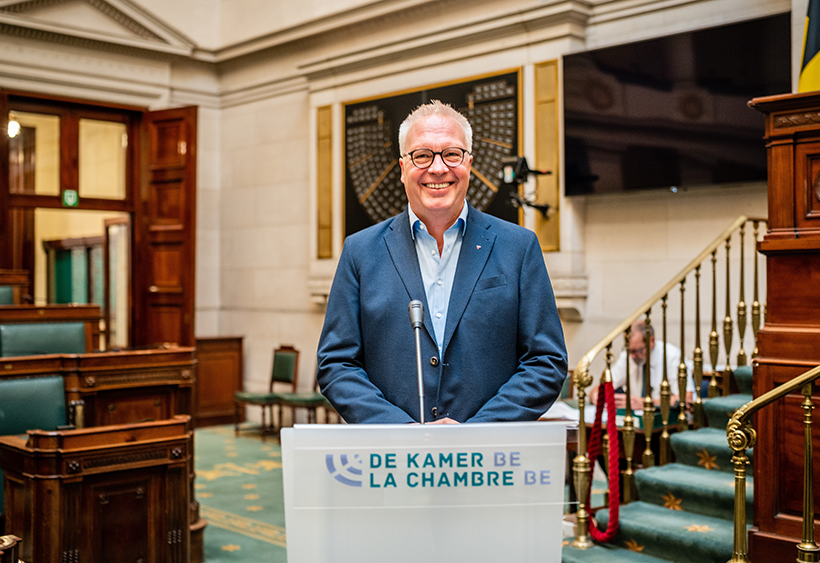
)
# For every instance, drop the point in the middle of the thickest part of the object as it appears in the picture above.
(284, 371)
(30, 403)
(6, 295)
(32, 339)
(310, 400)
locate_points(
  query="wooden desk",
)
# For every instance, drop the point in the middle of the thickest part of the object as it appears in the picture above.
(88, 314)
(19, 281)
(118, 387)
(111, 493)
(122, 388)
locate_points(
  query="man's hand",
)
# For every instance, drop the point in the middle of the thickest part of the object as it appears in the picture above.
(620, 402)
(445, 420)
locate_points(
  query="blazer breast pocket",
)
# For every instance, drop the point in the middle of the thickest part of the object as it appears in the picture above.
(490, 283)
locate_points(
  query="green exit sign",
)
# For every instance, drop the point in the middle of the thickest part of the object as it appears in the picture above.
(70, 198)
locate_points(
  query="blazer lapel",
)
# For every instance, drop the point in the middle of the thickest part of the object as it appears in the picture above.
(475, 251)
(402, 252)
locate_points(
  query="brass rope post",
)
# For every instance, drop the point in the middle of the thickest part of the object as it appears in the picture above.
(741, 305)
(628, 431)
(713, 336)
(665, 392)
(807, 550)
(727, 327)
(755, 302)
(698, 417)
(581, 467)
(607, 376)
(648, 458)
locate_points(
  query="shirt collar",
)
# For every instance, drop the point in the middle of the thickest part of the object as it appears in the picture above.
(415, 222)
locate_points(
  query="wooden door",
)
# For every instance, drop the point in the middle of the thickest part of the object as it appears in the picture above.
(165, 229)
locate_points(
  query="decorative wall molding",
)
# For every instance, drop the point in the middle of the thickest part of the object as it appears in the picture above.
(571, 296)
(139, 29)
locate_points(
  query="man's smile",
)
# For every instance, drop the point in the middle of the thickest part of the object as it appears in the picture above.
(438, 186)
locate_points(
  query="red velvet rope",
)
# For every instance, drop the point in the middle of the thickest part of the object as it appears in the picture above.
(608, 394)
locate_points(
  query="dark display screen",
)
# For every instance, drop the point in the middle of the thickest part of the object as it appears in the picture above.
(672, 112)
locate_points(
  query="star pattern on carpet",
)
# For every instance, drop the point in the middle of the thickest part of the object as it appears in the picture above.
(205, 495)
(255, 508)
(706, 460)
(231, 548)
(670, 502)
(267, 465)
(696, 528)
(251, 497)
(227, 470)
(632, 545)
(564, 543)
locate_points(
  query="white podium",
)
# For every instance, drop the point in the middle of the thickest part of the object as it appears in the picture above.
(472, 493)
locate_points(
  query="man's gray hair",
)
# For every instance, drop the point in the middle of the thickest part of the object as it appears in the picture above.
(435, 107)
(640, 326)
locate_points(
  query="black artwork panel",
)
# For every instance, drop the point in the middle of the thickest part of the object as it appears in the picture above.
(373, 188)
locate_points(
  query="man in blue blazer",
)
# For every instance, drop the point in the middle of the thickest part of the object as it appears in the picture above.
(492, 343)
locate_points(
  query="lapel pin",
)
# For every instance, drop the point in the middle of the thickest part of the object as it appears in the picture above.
(478, 247)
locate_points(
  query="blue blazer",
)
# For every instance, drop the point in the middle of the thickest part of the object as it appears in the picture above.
(503, 356)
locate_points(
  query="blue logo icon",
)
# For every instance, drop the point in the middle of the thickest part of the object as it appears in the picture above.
(345, 469)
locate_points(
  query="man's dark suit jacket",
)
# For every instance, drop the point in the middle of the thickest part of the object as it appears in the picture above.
(503, 356)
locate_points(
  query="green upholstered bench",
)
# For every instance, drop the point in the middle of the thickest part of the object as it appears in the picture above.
(6, 295)
(32, 339)
(30, 403)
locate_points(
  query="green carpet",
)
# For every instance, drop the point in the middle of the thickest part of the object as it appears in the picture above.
(239, 489)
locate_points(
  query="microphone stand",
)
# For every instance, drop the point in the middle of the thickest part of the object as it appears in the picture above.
(416, 310)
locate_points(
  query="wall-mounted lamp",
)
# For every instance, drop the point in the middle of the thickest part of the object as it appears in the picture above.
(516, 171)
(14, 128)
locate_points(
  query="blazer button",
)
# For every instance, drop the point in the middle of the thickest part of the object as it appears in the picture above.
(434, 361)
(435, 412)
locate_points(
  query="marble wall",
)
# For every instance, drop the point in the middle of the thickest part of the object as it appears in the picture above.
(258, 70)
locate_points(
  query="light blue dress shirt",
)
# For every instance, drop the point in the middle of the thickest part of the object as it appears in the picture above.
(438, 271)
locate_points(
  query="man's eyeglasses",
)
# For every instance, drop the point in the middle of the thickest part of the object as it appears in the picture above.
(636, 351)
(451, 156)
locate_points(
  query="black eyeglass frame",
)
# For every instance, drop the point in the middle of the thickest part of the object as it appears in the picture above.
(464, 152)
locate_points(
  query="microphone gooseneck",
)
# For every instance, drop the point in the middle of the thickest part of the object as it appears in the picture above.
(416, 310)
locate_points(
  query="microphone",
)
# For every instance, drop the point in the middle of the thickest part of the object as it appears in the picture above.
(416, 313)
(416, 310)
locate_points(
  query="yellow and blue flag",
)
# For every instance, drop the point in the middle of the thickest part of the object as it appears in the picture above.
(810, 67)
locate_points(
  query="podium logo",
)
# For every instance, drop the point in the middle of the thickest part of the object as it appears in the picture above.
(346, 470)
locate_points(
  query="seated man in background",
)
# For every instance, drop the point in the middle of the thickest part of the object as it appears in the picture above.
(637, 354)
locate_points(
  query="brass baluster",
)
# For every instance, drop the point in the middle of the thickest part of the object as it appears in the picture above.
(606, 378)
(755, 302)
(741, 438)
(628, 431)
(698, 417)
(648, 406)
(727, 328)
(713, 336)
(581, 467)
(665, 392)
(807, 550)
(741, 305)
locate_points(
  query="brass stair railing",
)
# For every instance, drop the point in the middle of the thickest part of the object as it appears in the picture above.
(582, 465)
(742, 436)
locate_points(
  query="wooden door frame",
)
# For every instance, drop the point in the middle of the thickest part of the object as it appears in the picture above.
(136, 203)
